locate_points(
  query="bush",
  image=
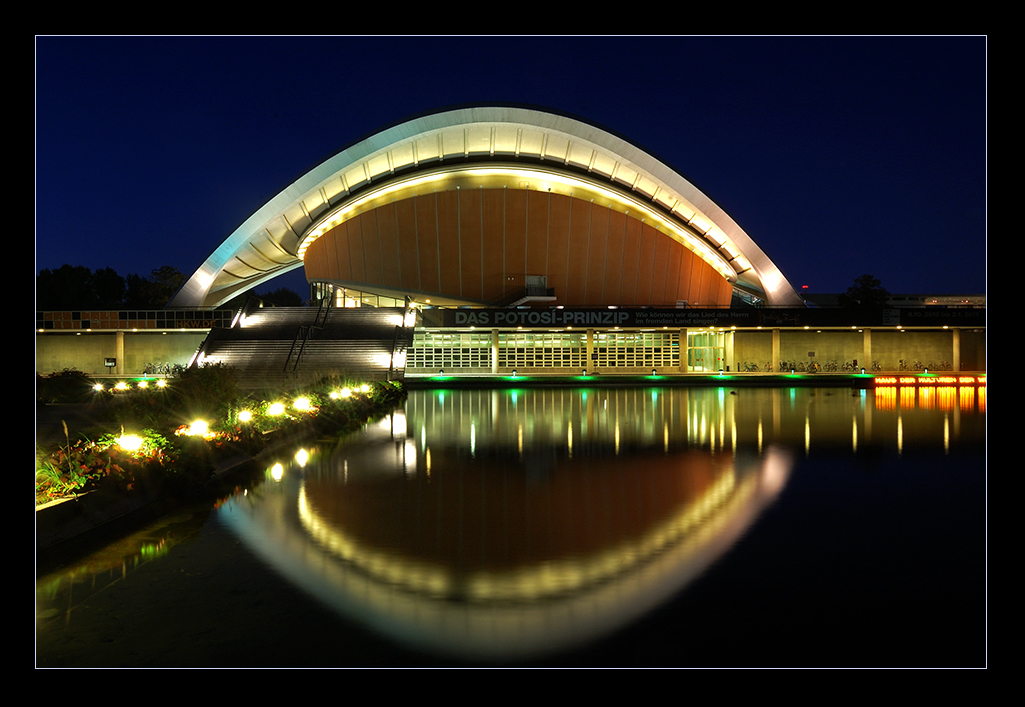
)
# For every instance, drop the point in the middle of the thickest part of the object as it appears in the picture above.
(204, 392)
(86, 465)
(66, 386)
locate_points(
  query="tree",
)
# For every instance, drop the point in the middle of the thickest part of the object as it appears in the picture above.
(76, 287)
(867, 292)
(67, 287)
(153, 292)
(167, 280)
(109, 288)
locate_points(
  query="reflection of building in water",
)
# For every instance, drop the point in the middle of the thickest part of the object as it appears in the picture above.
(499, 554)
(500, 523)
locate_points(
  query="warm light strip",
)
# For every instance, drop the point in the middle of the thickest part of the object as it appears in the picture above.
(565, 184)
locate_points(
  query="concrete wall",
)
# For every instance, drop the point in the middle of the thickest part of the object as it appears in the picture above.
(888, 347)
(86, 352)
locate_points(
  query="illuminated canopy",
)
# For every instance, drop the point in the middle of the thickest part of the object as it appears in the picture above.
(482, 147)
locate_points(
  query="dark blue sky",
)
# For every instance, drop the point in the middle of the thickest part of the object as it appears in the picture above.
(840, 156)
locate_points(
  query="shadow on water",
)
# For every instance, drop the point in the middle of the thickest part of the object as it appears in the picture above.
(573, 527)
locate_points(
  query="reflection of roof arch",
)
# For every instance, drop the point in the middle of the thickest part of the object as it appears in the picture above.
(561, 152)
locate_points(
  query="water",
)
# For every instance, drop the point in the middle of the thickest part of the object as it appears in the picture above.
(604, 527)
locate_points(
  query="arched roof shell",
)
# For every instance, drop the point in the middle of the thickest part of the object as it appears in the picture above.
(270, 242)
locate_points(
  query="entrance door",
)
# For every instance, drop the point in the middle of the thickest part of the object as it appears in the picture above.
(705, 352)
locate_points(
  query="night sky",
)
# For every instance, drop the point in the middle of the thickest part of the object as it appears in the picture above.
(839, 156)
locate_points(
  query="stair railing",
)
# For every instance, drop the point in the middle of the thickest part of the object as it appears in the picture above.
(306, 332)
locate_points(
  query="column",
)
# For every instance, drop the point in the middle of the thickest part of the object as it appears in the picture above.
(683, 350)
(590, 352)
(119, 352)
(494, 351)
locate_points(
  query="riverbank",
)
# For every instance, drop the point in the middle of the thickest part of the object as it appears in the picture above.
(694, 380)
(202, 468)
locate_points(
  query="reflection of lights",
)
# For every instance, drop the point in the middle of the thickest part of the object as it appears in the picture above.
(398, 423)
(696, 524)
(302, 456)
(409, 458)
(277, 472)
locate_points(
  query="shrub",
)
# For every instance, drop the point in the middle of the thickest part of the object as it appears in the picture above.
(86, 465)
(66, 386)
(205, 391)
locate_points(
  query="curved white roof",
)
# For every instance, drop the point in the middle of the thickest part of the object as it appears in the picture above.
(270, 241)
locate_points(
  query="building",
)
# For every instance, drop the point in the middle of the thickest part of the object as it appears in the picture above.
(534, 241)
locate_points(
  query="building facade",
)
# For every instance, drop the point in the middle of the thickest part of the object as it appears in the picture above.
(538, 242)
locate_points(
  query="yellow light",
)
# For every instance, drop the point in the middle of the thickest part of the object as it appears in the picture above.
(143, 384)
(364, 388)
(346, 392)
(245, 416)
(302, 456)
(301, 404)
(98, 387)
(121, 385)
(199, 428)
(161, 383)
(130, 443)
(276, 409)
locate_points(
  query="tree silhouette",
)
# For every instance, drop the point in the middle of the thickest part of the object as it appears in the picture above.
(75, 287)
(867, 292)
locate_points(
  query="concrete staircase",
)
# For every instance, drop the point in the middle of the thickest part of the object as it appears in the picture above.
(273, 347)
